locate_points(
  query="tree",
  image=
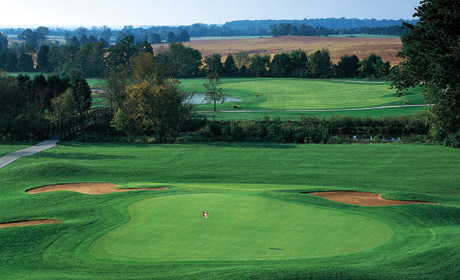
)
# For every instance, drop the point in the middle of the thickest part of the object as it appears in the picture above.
(3, 60)
(259, 65)
(183, 61)
(106, 34)
(43, 64)
(81, 32)
(299, 62)
(347, 67)
(146, 47)
(281, 65)
(11, 62)
(184, 37)
(320, 64)
(81, 95)
(213, 92)
(242, 58)
(373, 67)
(144, 68)
(92, 39)
(63, 104)
(157, 109)
(119, 54)
(213, 64)
(432, 58)
(3, 42)
(155, 39)
(74, 41)
(25, 63)
(171, 37)
(230, 69)
(39, 92)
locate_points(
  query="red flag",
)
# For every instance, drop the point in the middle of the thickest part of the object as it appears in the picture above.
(205, 214)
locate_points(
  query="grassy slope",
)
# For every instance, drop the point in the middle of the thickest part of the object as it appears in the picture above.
(295, 116)
(245, 88)
(240, 227)
(423, 243)
(304, 94)
(6, 148)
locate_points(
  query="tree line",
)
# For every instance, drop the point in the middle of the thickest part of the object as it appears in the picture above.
(95, 59)
(29, 103)
(287, 29)
(233, 28)
(296, 64)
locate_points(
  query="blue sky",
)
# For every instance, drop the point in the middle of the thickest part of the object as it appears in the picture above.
(184, 12)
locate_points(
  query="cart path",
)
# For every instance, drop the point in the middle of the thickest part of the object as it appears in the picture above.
(319, 110)
(45, 145)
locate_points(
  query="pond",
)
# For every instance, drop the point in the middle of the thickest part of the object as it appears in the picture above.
(198, 98)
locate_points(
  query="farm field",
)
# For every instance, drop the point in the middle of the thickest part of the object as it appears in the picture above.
(261, 223)
(362, 47)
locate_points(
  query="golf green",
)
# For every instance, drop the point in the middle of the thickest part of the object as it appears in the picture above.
(239, 227)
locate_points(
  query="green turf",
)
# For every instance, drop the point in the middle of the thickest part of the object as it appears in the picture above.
(295, 116)
(240, 228)
(96, 83)
(289, 94)
(292, 94)
(6, 148)
(238, 184)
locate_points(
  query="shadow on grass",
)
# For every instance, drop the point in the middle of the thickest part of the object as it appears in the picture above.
(255, 145)
(83, 156)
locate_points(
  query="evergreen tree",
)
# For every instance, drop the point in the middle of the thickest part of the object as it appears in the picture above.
(11, 62)
(43, 64)
(3, 59)
(230, 69)
(213, 64)
(320, 64)
(347, 67)
(25, 63)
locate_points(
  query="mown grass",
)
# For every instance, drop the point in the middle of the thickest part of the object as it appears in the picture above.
(295, 116)
(423, 243)
(292, 94)
(6, 148)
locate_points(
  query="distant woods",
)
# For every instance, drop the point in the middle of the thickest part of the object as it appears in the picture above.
(97, 59)
(287, 29)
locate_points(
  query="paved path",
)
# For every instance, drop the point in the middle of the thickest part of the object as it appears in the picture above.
(319, 110)
(45, 145)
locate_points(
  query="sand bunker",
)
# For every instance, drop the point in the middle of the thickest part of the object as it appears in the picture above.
(87, 188)
(361, 198)
(29, 223)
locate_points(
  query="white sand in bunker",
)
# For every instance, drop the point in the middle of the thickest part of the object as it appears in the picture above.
(29, 223)
(362, 198)
(87, 188)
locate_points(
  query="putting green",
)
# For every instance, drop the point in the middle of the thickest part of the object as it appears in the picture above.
(239, 227)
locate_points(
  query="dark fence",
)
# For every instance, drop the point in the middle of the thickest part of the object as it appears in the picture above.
(68, 125)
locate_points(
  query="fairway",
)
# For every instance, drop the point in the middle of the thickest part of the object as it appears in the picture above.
(297, 94)
(261, 223)
(239, 228)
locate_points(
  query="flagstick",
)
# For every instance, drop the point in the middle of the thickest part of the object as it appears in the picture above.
(204, 231)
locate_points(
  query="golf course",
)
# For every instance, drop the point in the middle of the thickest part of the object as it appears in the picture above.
(265, 219)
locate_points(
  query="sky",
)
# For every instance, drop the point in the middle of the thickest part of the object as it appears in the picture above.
(117, 13)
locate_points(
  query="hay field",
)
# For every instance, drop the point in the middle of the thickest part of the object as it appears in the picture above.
(361, 47)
